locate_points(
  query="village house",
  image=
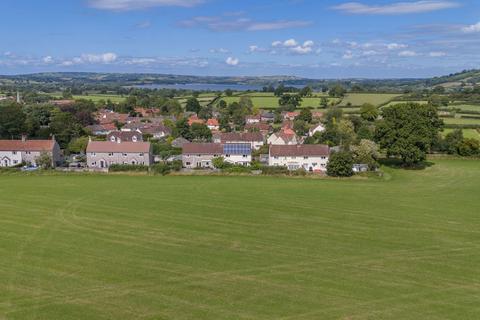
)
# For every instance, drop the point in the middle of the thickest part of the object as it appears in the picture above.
(263, 128)
(267, 116)
(147, 112)
(194, 119)
(284, 138)
(238, 153)
(252, 119)
(255, 139)
(101, 129)
(200, 155)
(108, 116)
(316, 128)
(157, 131)
(124, 136)
(290, 115)
(213, 124)
(310, 157)
(15, 152)
(103, 154)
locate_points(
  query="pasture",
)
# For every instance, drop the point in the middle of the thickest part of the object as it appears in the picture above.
(357, 99)
(271, 101)
(404, 246)
(467, 133)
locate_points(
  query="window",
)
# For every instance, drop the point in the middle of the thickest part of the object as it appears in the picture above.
(245, 156)
(124, 154)
(14, 152)
(314, 164)
(93, 154)
(227, 156)
(275, 157)
(294, 157)
(28, 152)
(94, 163)
(187, 163)
(141, 154)
(15, 161)
(323, 158)
(305, 157)
(110, 154)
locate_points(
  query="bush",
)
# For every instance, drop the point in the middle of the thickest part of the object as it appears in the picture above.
(161, 168)
(340, 164)
(127, 168)
(273, 170)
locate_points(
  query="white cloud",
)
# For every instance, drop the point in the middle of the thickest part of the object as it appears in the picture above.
(277, 25)
(219, 50)
(276, 43)
(436, 54)
(125, 5)
(308, 43)
(347, 55)
(301, 50)
(396, 8)
(290, 43)
(370, 53)
(407, 53)
(47, 59)
(231, 61)
(108, 57)
(227, 23)
(472, 28)
(396, 46)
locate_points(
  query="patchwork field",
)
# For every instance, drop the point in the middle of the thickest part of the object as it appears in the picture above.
(143, 247)
(264, 101)
(357, 99)
(469, 121)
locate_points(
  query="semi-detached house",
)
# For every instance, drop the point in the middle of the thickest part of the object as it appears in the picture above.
(311, 157)
(103, 154)
(15, 152)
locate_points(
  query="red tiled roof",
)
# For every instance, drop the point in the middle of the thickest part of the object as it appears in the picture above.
(299, 150)
(125, 135)
(194, 119)
(202, 148)
(260, 126)
(240, 136)
(28, 145)
(212, 122)
(123, 147)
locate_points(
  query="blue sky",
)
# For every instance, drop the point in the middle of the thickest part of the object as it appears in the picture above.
(309, 38)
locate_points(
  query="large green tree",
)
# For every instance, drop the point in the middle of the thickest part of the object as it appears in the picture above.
(408, 131)
(12, 120)
(192, 105)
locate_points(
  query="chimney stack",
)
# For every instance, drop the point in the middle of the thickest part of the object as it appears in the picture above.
(24, 138)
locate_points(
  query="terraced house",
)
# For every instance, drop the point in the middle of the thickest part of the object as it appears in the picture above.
(103, 154)
(15, 152)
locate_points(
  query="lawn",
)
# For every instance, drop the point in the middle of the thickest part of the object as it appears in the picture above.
(144, 247)
(357, 99)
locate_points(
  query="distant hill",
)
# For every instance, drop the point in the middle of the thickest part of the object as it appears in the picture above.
(465, 78)
(68, 79)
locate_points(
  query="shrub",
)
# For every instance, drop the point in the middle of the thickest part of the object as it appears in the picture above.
(273, 170)
(127, 167)
(340, 164)
(161, 168)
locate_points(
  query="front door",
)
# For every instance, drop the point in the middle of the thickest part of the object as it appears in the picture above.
(5, 163)
(102, 164)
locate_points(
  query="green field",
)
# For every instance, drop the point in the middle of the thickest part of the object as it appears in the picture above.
(466, 107)
(461, 121)
(467, 133)
(264, 101)
(357, 99)
(96, 97)
(146, 247)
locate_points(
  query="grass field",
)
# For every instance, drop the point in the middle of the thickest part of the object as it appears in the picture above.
(144, 247)
(264, 101)
(466, 107)
(357, 99)
(96, 97)
(461, 121)
(401, 102)
(467, 133)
